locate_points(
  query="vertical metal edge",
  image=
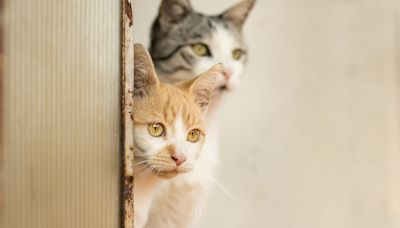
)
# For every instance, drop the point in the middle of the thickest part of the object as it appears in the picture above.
(127, 74)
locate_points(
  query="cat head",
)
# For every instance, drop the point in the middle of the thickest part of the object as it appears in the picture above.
(169, 130)
(185, 42)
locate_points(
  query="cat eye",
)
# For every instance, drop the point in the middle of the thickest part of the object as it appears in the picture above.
(155, 129)
(193, 135)
(201, 49)
(237, 54)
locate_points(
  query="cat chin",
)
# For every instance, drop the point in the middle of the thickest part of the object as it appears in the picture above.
(171, 173)
(168, 174)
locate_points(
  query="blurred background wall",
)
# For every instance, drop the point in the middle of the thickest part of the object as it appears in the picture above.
(312, 139)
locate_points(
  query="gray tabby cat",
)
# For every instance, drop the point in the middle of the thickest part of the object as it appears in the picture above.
(185, 43)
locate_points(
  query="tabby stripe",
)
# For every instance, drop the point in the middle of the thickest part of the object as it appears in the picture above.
(185, 57)
(169, 55)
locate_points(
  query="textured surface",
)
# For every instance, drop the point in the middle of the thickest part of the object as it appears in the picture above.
(312, 139)
(62, 114)
(127, 112)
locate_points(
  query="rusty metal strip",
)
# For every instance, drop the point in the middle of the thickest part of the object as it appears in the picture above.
(127, 214)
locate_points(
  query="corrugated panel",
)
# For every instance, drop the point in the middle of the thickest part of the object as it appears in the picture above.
(62, 114)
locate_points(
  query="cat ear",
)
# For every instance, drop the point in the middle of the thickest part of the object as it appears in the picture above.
(238, 13)
(145, 75)
(203, 86)
(173, 11)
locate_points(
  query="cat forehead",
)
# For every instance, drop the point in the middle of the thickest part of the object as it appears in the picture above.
(168, 105)
(194, 28)
(212, 28)
(224, 40)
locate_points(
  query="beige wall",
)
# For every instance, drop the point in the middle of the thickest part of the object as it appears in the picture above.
(61, 126)
(312, 139)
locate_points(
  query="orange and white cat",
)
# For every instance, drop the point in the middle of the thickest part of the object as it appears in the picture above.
(169, 129)
(185, 42)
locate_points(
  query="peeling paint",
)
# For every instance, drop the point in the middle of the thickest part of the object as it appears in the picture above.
(127, 191)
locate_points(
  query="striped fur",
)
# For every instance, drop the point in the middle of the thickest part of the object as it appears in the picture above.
(178, 26)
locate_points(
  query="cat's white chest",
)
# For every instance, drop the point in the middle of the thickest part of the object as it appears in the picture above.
(145, 189)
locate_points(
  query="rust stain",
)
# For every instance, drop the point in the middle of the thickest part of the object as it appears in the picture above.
(127, 197)
(127, 194)
(127, 180)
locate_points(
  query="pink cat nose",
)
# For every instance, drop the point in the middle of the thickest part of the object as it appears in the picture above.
(227, 73)
(178, 158)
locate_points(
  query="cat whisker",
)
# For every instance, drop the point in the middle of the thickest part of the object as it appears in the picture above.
(209, 178)
(140, 163)
(221, 187)
(145, 173)
(203, 181)
(145, 170)
(204, 184)
(141, 168)
(196, 207)
(149, 172)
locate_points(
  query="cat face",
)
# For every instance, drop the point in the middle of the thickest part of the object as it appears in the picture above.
(185, 42)
(168, 119)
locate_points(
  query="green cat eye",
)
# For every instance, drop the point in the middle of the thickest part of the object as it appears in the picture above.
(200, 49)
(237, 54)
(155, 129)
